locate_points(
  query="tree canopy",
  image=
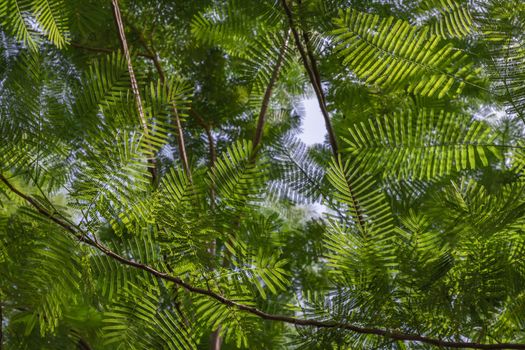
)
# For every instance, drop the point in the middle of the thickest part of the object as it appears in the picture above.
(155, 191)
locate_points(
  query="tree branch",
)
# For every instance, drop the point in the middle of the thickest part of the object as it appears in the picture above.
(313, 79)
(162, 76)
(216, 339)
(134, 85)
(313, 64)
(268, 93)
(83, 344)
(391, 334)
(311, 57)
(133, 78)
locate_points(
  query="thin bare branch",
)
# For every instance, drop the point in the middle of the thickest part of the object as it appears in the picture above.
(83, 344)
(215, 336)
(176, 118)
(134, 85)
(313, 79)
(216, 339)
(268, 93)
(391, 334)
(127, 55)
(181, 143)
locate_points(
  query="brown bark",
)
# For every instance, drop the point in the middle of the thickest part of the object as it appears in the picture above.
(134, 85)
(127, 55)
(268, 94)
(310, 66)
(181, 143)
(310, 70)
(215, 339)
(83, 345)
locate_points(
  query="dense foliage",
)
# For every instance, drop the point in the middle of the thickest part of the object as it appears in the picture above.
(155, 192)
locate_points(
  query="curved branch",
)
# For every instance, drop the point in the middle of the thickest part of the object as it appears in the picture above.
(391, 334)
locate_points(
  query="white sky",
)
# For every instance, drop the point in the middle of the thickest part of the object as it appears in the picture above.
(312, 124)
(314, 131)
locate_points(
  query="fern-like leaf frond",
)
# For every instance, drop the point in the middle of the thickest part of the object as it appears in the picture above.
(52, 16)
(422, 146)
(449, 18)
(391, 53)
(368, 231)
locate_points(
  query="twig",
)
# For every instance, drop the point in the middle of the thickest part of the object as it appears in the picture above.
(132, 77)
(134, 85)
(268, 93)
(83, 344)
(313, 80)
(177, 123)
(391, 334)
